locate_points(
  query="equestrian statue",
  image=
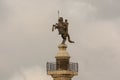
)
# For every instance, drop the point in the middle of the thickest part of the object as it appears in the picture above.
(62, 27)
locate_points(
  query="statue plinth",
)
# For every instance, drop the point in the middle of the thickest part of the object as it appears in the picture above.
(62, 69)
(62, 53)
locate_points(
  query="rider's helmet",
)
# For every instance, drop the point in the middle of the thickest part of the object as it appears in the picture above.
(60, 19)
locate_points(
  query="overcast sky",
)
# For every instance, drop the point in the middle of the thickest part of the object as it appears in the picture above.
(27, 42)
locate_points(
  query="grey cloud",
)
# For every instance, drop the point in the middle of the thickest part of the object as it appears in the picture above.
(32, 73)
(26, 39)
(107, 9)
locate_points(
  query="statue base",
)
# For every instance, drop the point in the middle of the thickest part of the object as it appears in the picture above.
(62, 53)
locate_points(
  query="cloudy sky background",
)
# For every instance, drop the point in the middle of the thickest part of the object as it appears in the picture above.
(27, 42)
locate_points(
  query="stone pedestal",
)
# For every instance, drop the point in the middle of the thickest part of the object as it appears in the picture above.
(62, 69)
(62, 58)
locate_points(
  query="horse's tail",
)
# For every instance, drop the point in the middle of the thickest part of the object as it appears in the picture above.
(69, 39)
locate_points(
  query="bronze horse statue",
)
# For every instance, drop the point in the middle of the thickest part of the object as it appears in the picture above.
(62, 29)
